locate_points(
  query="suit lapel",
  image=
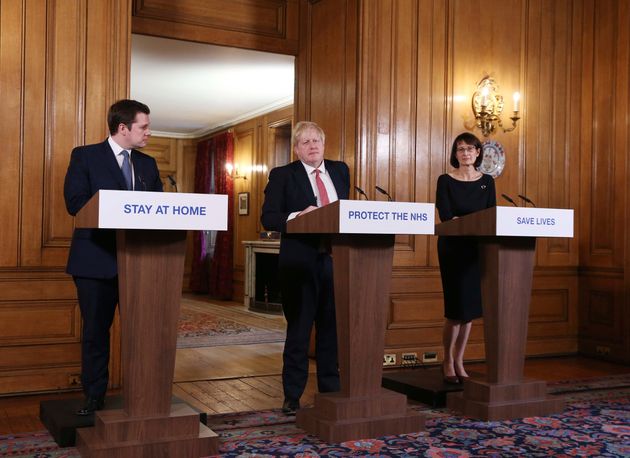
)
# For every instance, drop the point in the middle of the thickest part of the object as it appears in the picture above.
(112, 165)
(303, 182)
(335, 178)
(136, 160)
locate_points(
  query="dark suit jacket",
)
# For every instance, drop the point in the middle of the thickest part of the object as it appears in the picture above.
(94, 167)
(289, 190)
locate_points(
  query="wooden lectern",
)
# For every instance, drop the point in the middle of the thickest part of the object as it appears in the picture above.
(362, 267)
(507, 264)
(150, 273)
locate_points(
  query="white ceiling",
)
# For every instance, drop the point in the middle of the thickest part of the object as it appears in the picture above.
(193, 89)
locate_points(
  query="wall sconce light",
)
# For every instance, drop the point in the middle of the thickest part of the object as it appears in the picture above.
(487, 105)
(260, 168)
(232, 171)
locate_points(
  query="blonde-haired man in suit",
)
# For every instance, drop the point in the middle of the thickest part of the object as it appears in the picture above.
(305, 265)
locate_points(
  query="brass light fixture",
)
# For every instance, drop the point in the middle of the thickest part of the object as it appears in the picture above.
(233, 171)
(487, 105)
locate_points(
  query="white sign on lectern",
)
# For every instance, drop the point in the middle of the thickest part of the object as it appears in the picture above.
(376, 217)
(162, 210)
(534, 222)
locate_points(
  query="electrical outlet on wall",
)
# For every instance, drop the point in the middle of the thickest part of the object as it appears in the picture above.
(429, 357)
(409, 359)
(389, 359)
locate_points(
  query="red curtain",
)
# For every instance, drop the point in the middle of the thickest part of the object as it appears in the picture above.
(214, 275)
(221, 266)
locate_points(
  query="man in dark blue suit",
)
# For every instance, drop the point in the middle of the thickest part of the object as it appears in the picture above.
(112, 164)
(304, 262)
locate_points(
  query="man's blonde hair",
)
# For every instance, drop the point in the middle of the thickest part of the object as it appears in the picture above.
(301, 126)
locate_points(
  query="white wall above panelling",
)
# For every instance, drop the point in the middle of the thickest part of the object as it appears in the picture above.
(194, 89)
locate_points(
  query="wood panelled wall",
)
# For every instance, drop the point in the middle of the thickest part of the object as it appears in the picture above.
(395, 77)
(263, 25)
(604, 191)
(61, 65)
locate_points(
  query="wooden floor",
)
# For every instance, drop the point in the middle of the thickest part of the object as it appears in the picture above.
(230, 361)
(247, 377)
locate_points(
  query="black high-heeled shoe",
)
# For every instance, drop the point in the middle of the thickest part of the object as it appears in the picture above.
(452, 379)
(461, 377)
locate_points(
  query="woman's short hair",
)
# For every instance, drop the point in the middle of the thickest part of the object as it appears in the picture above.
(306, 125)
(469, 139)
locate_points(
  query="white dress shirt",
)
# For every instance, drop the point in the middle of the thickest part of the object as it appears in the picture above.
(328, 184)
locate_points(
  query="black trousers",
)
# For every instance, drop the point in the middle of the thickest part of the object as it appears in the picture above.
(97, 299)
(309, 298)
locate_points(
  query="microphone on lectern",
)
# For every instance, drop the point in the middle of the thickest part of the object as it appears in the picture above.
(361, 192)
(382, 191)
(144, 185)
(527, 200)
(509, 199)
(173, 182)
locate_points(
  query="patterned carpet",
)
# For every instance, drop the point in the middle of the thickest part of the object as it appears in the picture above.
(595, 423)
(203, 324)
(587, 428)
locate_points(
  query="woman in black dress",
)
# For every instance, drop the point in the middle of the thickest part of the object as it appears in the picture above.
(465, 190)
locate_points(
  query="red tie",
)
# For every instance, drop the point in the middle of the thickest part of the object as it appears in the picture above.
(323, 195)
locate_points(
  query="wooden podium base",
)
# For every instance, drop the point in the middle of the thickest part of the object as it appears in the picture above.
(337, 418)
(493, 401)
(116, 435)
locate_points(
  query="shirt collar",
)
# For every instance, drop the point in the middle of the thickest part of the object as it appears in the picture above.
(116, 148)
(309, 169)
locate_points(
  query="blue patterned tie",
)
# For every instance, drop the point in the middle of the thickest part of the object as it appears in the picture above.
(126, 169)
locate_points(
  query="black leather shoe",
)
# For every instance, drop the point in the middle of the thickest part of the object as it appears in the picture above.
(91, 404)
(290, 406)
